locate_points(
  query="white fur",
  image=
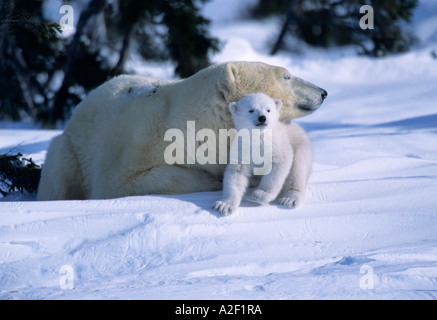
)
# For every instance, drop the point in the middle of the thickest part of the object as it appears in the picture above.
(114, 144)
(257, 111)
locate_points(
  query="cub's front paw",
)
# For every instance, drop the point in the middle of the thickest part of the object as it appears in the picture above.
(259, 196)
(292, 199)
(223, 207)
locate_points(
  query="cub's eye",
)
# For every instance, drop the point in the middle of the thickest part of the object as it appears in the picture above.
(287, 77)
(251, 111)
(268, 110)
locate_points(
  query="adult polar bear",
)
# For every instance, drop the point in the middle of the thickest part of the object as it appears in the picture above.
(114, 144)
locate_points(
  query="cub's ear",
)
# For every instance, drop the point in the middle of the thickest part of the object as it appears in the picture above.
(233, 107)
(278, 103)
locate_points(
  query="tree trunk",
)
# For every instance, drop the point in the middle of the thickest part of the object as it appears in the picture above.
(294, 7)
(130, 31)
(59, 107)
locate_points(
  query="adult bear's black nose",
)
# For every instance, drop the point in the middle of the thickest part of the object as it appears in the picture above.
(324, 94)
(262, 119)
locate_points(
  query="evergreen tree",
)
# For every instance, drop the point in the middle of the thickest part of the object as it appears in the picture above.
(18, 174)
(187, 40)
(30, 54)
(336, 22)
(33, 58)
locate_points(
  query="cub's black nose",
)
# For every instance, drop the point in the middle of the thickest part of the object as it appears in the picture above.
(324, 94)
(262, 119)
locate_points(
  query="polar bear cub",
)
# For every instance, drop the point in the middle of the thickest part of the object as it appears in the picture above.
(256, 111)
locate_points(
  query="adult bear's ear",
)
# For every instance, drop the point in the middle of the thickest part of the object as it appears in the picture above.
(278, 103)
(232, 72)
(227, 82)
(233, 107)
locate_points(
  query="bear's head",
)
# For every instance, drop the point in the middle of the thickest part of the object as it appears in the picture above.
(298, 96)
(255, 111)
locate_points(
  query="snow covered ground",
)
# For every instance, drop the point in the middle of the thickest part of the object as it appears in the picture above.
(367, 231)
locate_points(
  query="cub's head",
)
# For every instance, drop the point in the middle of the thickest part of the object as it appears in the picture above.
(298, 96)
(255, 111)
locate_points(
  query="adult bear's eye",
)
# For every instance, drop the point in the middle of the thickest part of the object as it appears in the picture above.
(268, 110)
(287, 77)
(251, 111)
